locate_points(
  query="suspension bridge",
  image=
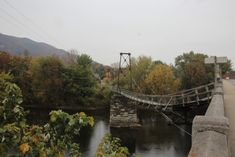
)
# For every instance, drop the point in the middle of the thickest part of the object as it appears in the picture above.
(124, 105)
(209, 131)
(163, 102)
(125, 102)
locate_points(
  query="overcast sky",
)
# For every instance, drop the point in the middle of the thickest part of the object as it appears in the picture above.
(162, 29)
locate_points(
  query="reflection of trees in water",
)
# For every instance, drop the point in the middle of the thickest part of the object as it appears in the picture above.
(156, 134)
(155, 138)
(90, 139)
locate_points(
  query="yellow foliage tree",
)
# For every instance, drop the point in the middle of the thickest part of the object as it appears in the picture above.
(161, 80)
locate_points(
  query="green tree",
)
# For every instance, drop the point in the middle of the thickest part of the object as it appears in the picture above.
(226, 67)
(192, 71)
(84, 60)
(52, 139)
(99, 69)
(10, 101)
(111, 147)
(79, 85)
(158, 62)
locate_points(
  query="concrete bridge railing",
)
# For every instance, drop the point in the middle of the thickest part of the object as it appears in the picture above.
(209, 132)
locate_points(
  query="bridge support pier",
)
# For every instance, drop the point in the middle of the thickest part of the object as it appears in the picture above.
(123, 113)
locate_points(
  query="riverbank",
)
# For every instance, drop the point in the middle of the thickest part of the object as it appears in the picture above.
(65, 107)
(87, 109)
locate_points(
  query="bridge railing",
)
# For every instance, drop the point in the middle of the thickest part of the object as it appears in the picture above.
(186, 97)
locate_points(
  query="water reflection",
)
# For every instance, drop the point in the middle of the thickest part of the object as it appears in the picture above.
(127, 136)
(156, 138)
(98, 131)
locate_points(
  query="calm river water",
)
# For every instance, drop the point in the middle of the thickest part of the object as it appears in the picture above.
(156, 138)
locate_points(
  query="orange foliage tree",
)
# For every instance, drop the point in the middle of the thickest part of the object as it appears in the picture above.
(161, 80)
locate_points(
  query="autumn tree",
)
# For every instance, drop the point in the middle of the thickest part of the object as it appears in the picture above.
(5, 59)
(161, 80)
(4, 77)
(47, 80)
(18, 138)
(20, 68)
(140, 68)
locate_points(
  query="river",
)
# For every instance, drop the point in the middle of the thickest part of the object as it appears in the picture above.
(155, 138)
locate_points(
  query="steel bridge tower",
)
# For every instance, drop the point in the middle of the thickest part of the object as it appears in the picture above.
(125, 65)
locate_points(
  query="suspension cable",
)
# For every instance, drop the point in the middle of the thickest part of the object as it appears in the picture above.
(171, 121)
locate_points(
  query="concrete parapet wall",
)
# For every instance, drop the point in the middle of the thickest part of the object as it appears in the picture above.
(209, 132)
(218, 90)
(208, 123)
(209, 144)
(216, 107)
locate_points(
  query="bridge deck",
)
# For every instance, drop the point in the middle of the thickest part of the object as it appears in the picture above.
(182, 98)
(229, 99)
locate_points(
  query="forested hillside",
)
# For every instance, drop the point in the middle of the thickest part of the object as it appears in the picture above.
(20, 46)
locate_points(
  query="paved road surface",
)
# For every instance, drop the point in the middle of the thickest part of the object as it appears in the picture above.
(229, 99)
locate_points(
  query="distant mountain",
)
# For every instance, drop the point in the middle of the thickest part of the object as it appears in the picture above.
(20, 46)
(17, 46)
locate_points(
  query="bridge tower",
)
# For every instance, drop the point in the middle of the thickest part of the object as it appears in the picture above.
(123, 112)
(125, 63)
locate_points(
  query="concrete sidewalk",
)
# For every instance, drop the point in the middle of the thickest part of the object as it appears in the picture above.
(229, 100)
